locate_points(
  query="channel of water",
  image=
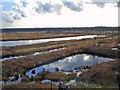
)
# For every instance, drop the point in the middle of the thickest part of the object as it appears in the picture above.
(28, 42)
(36, 53)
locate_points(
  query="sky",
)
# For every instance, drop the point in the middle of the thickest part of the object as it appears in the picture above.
(58, 13)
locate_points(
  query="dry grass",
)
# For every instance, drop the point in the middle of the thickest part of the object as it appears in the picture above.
(29, 86)
(56, 76)
(14, 65)
(30, 49)
(35, 35)
(21, 65)
(105, 74)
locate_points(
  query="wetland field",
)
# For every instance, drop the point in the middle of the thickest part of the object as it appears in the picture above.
(60, 58)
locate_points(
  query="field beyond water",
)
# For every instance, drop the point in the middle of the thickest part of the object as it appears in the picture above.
(17, 60)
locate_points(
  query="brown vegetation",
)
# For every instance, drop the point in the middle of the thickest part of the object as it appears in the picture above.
(14, 65)
(35, 35)
(21, 65)
(30, 49)
(56, 76)
(105, 74)
(29, 86)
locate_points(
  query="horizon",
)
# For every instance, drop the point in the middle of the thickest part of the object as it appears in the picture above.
(60, 27)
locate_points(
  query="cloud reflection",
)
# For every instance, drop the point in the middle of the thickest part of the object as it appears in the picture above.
(71, 62)
(86, 57)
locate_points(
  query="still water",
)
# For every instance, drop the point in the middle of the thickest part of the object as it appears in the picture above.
(69, 63)
(36, 53)
(27, 42)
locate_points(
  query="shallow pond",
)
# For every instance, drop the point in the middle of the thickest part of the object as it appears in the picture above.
(27, 42)
(69, 63)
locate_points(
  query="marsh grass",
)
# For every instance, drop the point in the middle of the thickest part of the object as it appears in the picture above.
(35, 35)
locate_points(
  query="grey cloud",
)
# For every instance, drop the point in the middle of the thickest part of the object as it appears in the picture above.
(17, 17)
(11, 16)
(57, 8)
(48, 8)
(25, 4)
(100, 4)
(19, 10)
(118, 4)
(106, 1)
(7, 16)
(23, 14)
(72, 6)
(43, 8)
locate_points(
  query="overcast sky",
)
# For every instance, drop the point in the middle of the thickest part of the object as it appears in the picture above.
(58, 13)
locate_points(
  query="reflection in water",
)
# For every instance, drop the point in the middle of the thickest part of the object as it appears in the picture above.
(69, 63)
(86, 57)
(11, 57)
(36, 53)
(27, 42)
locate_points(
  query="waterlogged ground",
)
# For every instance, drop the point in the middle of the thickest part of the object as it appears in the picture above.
(64, 65)
(71, 60)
